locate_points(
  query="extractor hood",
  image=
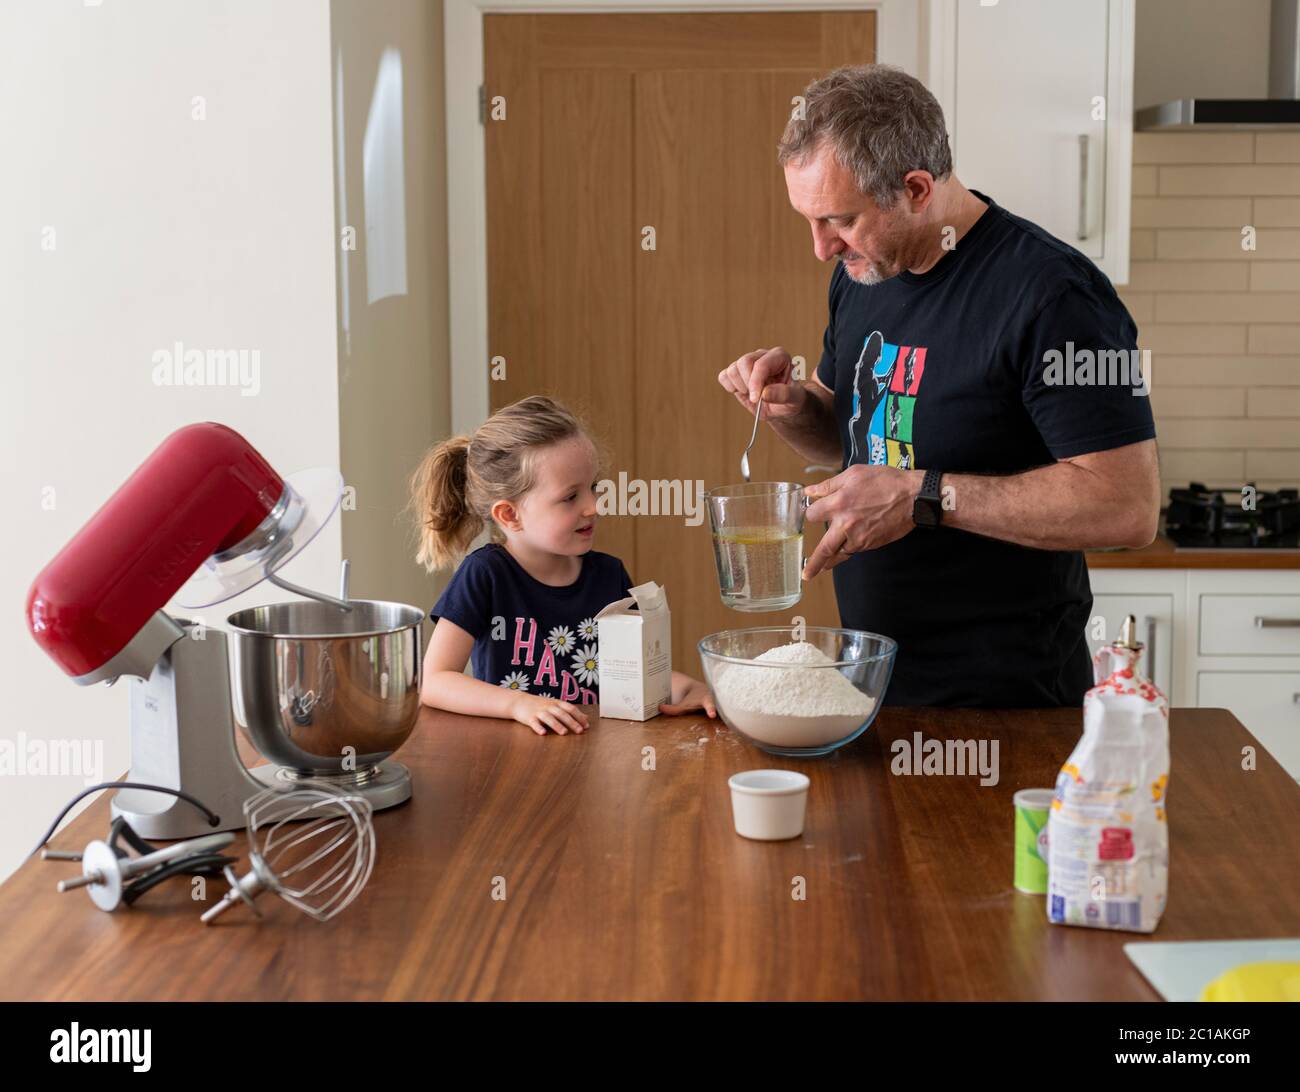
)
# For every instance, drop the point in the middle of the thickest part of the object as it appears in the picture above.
(1281, 110)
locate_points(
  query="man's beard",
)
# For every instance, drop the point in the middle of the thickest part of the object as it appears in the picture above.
(873, 273)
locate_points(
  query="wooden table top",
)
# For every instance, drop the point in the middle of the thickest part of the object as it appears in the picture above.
(623, 882)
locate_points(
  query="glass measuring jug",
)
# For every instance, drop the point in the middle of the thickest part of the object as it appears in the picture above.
(758, 543)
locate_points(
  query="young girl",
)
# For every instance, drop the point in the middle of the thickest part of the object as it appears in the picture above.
(524, 608)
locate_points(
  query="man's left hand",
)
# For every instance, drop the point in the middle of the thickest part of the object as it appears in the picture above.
(867, 506)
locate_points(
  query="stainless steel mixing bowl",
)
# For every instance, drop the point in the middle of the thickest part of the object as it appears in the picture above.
(323, 691)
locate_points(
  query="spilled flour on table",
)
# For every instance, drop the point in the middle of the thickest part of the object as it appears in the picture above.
(696, 743)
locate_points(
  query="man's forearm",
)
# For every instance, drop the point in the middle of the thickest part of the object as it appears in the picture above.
(1106, 498)
(1063, 506)
(814, 433)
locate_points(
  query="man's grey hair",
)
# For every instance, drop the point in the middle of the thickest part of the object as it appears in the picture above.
(879, 122)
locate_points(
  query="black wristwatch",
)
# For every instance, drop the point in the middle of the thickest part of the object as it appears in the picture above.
(927, 509)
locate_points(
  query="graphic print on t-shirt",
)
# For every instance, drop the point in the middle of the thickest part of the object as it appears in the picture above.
(559, 664)
(886, 380)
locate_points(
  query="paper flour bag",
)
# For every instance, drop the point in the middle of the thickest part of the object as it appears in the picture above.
(1108, 839)
(636, 662)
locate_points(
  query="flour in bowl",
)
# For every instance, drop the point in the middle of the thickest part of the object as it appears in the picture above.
(808, 704)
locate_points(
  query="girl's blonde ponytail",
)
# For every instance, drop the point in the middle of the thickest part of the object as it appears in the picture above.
(440, 495)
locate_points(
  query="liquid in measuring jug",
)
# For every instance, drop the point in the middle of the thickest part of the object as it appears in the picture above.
(758, 567)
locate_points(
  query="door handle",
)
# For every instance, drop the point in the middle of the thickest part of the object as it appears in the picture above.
(1151, 647)
(1264, 622)
(1083, 185)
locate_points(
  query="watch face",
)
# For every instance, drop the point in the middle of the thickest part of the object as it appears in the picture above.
(924, 514)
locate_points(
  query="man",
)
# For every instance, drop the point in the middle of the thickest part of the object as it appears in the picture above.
(976, 468)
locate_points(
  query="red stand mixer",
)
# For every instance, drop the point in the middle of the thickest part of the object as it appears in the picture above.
(326, 689)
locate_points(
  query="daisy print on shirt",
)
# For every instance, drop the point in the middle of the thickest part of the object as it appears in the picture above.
(564, 665)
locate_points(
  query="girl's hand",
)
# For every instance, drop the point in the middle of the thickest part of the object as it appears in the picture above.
(688, 695)
(540, 714)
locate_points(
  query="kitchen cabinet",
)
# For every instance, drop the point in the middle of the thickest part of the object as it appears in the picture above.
(1249, 625)
(1268, 701)
(1039, 103)
(1226, 638)
(1244, 643)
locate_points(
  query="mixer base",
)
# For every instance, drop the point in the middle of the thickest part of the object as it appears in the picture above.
(388, 785)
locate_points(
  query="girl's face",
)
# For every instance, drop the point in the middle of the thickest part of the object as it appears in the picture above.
(558, 514)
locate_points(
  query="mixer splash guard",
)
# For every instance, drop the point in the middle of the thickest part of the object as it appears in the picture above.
(310, 499)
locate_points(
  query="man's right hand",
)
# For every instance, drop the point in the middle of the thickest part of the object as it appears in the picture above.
(765, 374)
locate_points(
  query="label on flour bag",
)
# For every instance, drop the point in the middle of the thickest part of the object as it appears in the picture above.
(1107, 834)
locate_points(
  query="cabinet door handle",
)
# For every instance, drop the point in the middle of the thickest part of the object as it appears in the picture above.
(1264, 622)
(1083, 185)
(1296, 698)
(1151, 647)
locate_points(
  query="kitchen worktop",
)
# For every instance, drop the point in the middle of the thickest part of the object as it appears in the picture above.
(1161, 554)
(627, 882)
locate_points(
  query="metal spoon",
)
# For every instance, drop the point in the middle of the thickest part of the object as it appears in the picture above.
(744, 458)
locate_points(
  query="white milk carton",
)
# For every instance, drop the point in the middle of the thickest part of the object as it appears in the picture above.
(636, 661)
(1107, 828)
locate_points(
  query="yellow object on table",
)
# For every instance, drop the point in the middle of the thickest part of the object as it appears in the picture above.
(1269, 981)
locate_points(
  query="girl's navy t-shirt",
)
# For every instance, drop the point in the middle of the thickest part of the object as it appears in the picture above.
(528, 635)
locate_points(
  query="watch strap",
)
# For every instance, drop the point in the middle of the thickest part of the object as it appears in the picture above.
(929, 499)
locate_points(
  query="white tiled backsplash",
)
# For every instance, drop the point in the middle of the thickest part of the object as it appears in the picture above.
(1222, 322)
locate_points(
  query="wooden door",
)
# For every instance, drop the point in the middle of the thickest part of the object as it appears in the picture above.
(615, 124)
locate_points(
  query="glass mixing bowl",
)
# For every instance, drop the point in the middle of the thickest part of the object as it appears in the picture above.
(798, 709)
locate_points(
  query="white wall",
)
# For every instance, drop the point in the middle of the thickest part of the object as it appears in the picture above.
(218, 233)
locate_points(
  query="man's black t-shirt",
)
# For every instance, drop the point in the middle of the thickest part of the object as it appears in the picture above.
(945, 370)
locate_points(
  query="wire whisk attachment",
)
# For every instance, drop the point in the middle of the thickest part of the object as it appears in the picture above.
(314, 847)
